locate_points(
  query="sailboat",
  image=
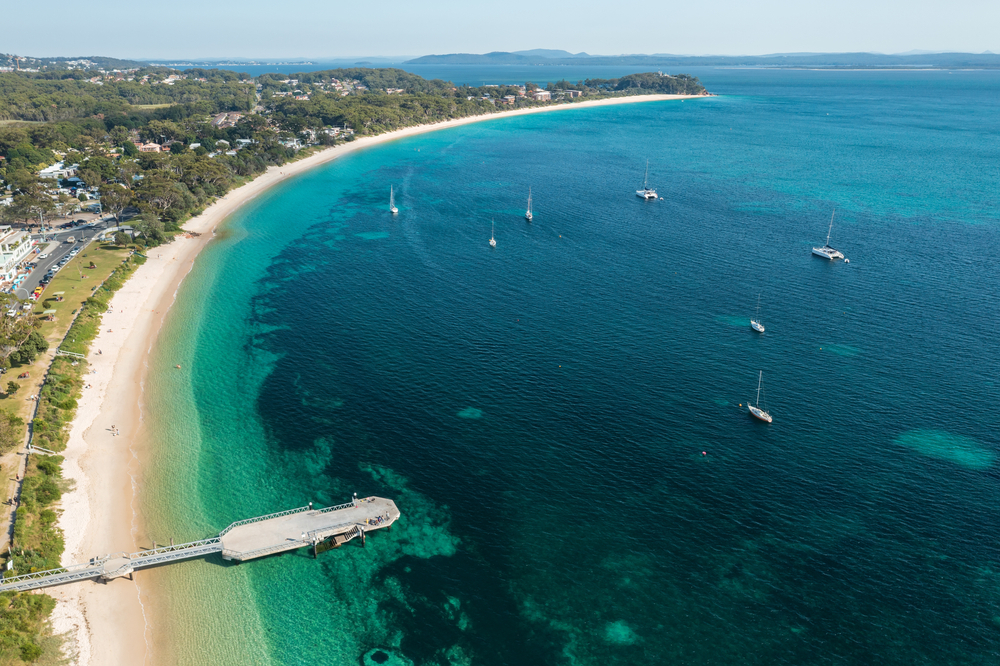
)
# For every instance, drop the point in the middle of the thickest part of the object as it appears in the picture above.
(755, 409)
(493, 241)
(826, 251)
(528, 215)
(755, 320)
(392, 202)
(646, 192)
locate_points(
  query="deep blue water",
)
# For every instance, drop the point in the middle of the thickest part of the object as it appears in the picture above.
(539, 411)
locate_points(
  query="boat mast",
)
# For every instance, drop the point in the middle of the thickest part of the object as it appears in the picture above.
(529, 198)
(645, 179)
(830, 230)
(759, 379)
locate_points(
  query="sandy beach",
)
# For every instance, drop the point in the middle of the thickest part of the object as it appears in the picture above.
(108, 623)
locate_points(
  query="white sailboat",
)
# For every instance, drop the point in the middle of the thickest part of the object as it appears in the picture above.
(392, 202)
(755, 320)
(826, 251)
(755, 409)
(646, 192)
(493, 241)
(528, 214)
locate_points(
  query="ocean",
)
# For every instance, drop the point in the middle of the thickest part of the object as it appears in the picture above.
(562, 419)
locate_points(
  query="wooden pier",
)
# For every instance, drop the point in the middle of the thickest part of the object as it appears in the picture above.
(241, 541)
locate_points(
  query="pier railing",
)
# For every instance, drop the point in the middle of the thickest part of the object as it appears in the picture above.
(50, 572)
(250, 521)
(98, 565)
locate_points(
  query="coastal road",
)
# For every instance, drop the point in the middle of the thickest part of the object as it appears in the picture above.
(81, 235)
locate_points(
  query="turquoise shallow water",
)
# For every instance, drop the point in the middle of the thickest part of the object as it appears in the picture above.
(540, 411)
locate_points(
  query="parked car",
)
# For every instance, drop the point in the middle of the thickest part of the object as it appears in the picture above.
(43, 256)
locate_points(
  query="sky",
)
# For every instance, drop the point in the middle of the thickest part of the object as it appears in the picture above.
(318, 29)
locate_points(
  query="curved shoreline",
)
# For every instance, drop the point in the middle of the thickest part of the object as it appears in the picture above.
(108, 623)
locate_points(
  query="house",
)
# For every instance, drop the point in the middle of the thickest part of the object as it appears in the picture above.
(541, 95)
(194, 145)
(149, 147)
(574, 93)
(243, 143)
(224, 120)
(58, 171)
(509, 100)
(15, 246)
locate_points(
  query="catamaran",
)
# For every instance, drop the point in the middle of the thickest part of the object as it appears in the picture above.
(826, 251)
(755, 320)
(646, 192)
(392, 202)
(493, 241)
(755, 409)
(528, 214)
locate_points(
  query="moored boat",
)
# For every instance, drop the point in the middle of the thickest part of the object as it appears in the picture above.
(755, 410)
(826, 251)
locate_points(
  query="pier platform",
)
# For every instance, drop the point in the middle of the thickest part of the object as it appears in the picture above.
(241, 541)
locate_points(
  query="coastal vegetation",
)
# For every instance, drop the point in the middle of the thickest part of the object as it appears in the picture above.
(37, 542)
(165, 143)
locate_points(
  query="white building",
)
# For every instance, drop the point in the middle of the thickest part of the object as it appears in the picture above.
(15, 246)
(57, 171)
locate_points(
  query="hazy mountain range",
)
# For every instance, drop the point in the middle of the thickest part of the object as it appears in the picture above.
(914, 59)
(922, 59)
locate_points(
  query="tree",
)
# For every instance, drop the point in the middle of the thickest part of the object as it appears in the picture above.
(127, 170)
(150, 227)
(89, 176)
(119, 136)
(30, 348)
(12, 388)
(11, 430)
(121, 238)
(115, 198)
(158, 193)
(129, 149)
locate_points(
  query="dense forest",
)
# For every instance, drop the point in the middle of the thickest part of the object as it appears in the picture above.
(650, 82)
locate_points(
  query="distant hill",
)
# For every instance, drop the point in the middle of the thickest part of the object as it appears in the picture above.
(552, 53)
(836, 60)
(80, 62)
(495, 58)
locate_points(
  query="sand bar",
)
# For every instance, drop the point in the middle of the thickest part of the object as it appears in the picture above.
(108, 623)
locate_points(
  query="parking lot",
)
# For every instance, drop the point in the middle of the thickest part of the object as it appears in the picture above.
(70, 238)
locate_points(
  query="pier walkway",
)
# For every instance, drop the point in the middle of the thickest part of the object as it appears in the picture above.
(241, 541)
